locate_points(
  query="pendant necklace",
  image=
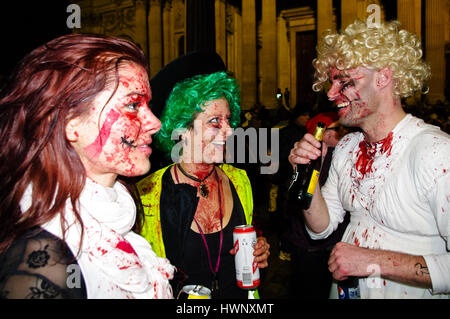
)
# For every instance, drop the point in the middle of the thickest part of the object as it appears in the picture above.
(203, 188)
(214, 271)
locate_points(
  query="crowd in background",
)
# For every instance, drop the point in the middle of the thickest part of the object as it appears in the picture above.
(259, 117)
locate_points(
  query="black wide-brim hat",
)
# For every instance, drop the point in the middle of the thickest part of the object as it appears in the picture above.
(182, 68)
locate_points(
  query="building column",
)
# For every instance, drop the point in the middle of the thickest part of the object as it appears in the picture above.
(349, 12)
(269, 54)
(435, 47)
(248, 81)
(200, 25)
(324, 16)
(155, 36)
(284, 56)
(221, 32)
(235, 64)
(167, 31)
(141, 25)
(409, 13)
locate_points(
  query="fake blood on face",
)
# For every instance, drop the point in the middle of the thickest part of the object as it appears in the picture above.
(96, 147)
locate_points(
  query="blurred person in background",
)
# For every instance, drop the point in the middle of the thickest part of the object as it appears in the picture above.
(309, 258)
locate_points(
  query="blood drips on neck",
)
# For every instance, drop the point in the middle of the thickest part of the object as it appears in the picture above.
(367, 152)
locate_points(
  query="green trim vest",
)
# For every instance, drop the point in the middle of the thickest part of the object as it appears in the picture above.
(150, 193)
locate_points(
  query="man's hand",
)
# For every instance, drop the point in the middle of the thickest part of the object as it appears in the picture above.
(305, 150)
(348, 260)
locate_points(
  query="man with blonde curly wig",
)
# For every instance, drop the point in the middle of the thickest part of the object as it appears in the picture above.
(392, 176)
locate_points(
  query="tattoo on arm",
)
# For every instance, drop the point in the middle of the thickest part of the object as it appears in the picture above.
(421, 270)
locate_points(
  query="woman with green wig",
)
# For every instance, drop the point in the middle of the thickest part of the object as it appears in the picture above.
(192, 206)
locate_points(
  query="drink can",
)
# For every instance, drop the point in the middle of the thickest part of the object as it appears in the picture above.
(349, 289)
(247, 271)
(194, 292)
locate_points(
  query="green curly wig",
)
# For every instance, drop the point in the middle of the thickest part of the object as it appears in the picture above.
(187, 100)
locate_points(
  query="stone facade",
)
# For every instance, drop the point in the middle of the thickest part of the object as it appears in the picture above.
(258, 39)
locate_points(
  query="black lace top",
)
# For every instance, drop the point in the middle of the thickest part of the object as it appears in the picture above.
(39, 265)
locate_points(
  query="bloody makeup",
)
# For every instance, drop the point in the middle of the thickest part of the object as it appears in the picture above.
(206, 140)
(115, 139)
(351, 91)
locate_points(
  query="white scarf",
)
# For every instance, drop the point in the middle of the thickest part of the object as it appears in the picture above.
(115, 262)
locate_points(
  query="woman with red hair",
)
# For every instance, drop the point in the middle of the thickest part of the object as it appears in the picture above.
(74, 120)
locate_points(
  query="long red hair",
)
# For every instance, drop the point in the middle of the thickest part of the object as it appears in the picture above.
(51, 85)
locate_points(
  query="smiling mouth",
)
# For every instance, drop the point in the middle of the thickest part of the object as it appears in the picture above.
(342, 105)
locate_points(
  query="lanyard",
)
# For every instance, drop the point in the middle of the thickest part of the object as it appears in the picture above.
(215, 283)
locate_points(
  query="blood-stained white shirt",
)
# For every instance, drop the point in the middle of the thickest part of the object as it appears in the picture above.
(398, 194)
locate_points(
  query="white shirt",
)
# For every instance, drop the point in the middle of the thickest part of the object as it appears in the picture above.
(398, 202)
(115, 262)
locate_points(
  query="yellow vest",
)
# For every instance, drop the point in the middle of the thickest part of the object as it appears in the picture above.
(150, 193)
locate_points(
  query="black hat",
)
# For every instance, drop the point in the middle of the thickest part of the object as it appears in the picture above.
(301, 109)
(184, 67)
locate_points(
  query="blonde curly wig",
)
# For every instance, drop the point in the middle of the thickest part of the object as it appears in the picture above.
(374, 48)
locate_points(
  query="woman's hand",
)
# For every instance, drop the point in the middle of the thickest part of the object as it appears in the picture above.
(261, 252)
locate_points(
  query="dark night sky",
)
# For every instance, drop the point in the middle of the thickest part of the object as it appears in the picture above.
(25, 25)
